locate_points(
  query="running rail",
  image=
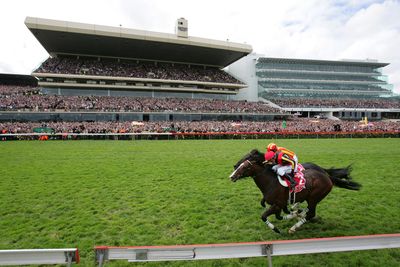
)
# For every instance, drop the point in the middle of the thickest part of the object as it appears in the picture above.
(39, 256)
(246, 250)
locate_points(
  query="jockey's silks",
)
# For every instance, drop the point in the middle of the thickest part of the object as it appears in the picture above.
(285, 159)
(286, 151)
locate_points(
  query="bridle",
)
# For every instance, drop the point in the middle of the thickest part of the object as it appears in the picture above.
(241, 166)
(248, 161)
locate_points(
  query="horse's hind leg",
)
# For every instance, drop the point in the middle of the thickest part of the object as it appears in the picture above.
(306, 215)
(313, 202)
(311, 211)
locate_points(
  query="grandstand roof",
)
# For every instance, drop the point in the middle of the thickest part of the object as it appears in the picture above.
(371, 63)
(17, 79)
(64, 37)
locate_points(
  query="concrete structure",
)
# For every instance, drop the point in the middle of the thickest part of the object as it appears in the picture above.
(285, 77)
(65, 37)
(181, 29)
(268, 78)
(245, 70)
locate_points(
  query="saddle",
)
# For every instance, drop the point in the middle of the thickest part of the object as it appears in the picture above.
(298, 178)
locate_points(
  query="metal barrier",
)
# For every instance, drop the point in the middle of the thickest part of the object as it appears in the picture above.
(39, 256)
(246, 250)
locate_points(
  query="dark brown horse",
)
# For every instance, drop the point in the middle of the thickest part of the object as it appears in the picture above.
(319, 182)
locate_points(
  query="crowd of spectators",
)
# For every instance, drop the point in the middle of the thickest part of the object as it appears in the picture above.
(18, 99)
(301, 125)
(135, 69)
(11, 90)
(374, 103)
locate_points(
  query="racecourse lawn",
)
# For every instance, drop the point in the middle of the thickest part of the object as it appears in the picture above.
(59, 194)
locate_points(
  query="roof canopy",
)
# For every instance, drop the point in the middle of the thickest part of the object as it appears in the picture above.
(17, 79)
(63, 37)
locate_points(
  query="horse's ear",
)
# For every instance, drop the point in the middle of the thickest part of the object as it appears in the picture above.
(254, 151)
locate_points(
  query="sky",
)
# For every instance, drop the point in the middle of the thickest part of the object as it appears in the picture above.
(306, 29)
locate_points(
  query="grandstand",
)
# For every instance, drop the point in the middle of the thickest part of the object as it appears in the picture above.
(281, 77)
(346, 89)
(104, 60)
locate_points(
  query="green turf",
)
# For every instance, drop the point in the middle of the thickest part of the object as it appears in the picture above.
(58, 194)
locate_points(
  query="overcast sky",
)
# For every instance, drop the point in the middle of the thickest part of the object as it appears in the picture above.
(310, 29)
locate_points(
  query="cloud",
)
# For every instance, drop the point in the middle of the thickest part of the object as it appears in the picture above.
(337, 30)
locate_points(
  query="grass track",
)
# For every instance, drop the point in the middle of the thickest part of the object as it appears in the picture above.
(86, 193)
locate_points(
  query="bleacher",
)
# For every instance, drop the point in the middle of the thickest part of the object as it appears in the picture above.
(135, 69)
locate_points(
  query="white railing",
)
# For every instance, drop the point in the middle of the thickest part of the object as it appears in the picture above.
(246, 250)
(39, 256)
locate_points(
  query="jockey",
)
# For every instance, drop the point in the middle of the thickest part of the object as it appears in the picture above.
(273, 147)
(286, 161)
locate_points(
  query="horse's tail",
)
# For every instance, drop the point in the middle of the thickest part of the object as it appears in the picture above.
(341, 178)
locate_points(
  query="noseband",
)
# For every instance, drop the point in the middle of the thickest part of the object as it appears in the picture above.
(242, 165)
(251, 164)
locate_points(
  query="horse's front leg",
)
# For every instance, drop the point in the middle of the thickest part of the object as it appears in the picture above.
(303, 220)
(274, 209)
(306, 215)
(262, 202)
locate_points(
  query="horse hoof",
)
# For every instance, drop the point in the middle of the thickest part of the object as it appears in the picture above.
(291, 231)
(276, 230)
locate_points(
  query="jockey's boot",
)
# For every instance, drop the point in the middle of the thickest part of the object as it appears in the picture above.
(290, 176)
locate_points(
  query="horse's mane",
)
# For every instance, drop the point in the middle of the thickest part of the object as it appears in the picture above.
(259, 158)
(257, 155)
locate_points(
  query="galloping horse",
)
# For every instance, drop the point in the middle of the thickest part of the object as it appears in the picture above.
(319, 182)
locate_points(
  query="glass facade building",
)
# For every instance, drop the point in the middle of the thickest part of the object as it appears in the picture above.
(284, 77)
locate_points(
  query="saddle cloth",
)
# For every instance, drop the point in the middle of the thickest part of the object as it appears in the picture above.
(298, 178)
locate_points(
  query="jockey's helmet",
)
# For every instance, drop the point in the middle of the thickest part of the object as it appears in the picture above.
(272, 147)
(269, 155)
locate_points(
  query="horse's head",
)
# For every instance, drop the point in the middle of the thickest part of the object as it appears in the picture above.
(245, 166)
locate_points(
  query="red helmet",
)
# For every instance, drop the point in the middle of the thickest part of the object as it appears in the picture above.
(269, 155)
(272, 147)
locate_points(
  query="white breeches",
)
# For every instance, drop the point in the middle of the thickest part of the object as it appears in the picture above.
(282, 170)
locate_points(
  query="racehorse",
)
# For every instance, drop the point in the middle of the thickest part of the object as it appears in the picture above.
(319, 182)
